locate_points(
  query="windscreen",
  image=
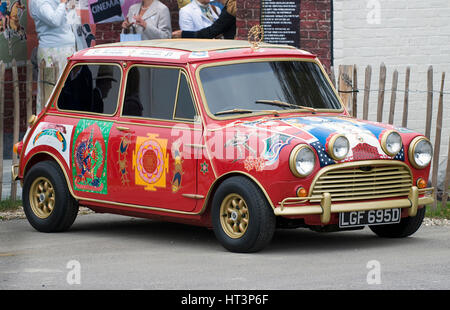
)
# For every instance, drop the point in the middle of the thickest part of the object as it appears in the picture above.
(270, 85)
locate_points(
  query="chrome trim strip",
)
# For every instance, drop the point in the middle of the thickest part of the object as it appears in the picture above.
(193, 196)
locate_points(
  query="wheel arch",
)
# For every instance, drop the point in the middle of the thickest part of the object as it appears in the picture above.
(46, 156)
(213, 188)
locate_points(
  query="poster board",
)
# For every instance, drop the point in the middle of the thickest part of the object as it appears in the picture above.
(280, 20)
(13, 31)
(18, 40)
(108, 11)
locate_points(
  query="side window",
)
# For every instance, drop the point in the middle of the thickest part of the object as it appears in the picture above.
(91, 88)
(150, 92)
(185, 105)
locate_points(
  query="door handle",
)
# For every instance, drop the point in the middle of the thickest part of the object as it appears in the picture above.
(122, 128)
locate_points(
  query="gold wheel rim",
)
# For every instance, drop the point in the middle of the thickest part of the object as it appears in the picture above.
(234, 216)
(42, 197)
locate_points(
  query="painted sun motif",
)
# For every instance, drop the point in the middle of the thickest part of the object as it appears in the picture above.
(150, 162)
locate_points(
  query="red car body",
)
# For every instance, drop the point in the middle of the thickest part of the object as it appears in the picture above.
(171, 169)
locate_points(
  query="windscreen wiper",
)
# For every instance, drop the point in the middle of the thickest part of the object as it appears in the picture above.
(285, 104)
(234, 111)
(243, 111)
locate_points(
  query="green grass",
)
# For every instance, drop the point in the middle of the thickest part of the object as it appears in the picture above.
(440, 212)
(10, 205)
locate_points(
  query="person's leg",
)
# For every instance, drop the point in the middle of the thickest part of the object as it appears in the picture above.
(52, 56)
(40, 56)
(61, 57)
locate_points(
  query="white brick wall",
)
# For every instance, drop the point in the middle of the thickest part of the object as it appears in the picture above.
(413, 33)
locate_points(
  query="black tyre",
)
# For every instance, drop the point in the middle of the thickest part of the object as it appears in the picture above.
(242, 219)
(47, 202)
(406, 227)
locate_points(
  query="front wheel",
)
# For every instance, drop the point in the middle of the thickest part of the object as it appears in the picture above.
(47, 202)
(406, 227)
(242, 219)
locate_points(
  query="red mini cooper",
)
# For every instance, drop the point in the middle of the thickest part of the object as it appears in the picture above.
(217, 133)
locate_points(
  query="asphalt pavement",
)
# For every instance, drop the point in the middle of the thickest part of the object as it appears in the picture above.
(103, 251)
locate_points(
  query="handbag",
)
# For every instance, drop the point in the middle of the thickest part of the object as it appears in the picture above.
(130, 35)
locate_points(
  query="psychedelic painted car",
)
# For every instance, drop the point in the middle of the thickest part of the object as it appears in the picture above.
(223, 134)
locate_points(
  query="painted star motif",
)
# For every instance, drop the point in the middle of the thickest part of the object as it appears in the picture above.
(204, 167)
(400, 155)
(324, 159)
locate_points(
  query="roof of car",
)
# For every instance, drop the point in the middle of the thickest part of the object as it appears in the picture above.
(195, 45)
(184, 50)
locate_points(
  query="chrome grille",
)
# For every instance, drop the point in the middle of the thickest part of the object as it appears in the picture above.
(358, 181)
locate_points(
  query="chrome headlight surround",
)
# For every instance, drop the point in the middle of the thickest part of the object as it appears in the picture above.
(391, 142)
(417, 145)
(302, 160)
(337, 140)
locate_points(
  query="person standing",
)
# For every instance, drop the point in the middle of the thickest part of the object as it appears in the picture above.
(225, 25)
(197, 15)
(55, 36)
(4, 17)
(150, 18)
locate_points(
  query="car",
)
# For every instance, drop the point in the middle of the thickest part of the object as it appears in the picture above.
(237, 136)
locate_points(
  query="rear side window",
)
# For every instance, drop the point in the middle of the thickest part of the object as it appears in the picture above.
(91, 88)
(150, 92)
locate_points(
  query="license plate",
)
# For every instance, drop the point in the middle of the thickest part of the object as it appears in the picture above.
(372, 217)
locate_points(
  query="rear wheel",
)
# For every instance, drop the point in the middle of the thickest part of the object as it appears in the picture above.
(47, 202)
(406, 227)
(242, 219)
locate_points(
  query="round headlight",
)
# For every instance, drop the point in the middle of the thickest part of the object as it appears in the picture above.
(302, 160)
(338, 147)
(420, 152)
(391, 143)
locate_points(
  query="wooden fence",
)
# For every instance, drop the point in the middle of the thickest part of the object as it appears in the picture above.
(348, 89)
(47, 79)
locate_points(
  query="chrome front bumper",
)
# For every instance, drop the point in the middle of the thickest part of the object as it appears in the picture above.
(288, 207)
(14, 172)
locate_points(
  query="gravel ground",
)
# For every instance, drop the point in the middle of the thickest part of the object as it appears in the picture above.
(436, 222)
(19, 214)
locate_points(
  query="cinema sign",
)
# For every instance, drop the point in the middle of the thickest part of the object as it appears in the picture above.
(105, 9)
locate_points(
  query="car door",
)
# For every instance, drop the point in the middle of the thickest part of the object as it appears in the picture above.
(81, 122)
(151, 142)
